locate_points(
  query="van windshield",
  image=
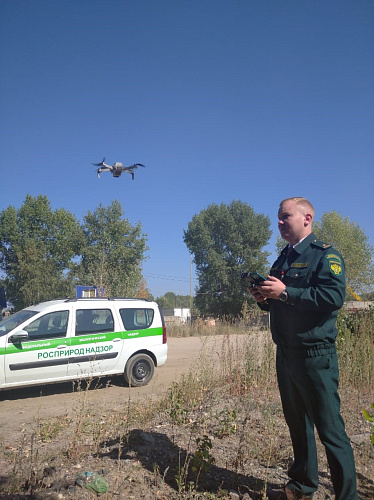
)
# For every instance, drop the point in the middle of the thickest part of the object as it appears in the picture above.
(8, 324)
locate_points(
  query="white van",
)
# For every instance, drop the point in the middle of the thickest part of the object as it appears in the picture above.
(71, 339)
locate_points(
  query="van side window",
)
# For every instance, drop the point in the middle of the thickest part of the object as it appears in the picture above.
(49, 326)
(93, 321)
(137, 319)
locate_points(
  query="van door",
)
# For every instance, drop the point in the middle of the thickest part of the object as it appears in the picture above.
(96, 347)
(42, 354)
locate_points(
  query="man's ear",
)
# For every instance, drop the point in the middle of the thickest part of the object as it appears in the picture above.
(308, 219)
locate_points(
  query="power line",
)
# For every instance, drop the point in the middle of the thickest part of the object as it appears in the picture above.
(168, 278)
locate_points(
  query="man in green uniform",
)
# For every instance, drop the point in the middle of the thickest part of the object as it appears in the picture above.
(303, 293)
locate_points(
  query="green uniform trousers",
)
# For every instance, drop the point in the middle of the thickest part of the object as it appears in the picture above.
(308, 384)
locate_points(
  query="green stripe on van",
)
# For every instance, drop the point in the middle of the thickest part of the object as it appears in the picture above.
(35, 345)
(147, 332)
(107, 337)
(91, 338)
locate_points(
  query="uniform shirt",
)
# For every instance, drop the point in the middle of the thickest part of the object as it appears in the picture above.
(314, 275)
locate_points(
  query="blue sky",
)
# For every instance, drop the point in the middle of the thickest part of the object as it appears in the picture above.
(221, 100)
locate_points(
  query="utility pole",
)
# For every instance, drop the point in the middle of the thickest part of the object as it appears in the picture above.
(191, 287)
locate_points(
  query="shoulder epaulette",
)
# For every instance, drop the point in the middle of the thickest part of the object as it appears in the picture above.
(321, 244)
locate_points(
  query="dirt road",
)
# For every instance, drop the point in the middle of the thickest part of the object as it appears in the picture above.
(20, 407)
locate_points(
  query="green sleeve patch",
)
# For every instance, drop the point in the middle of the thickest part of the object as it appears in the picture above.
(333, 256)
(335, 264)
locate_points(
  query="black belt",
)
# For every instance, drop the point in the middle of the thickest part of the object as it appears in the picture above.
(308, 352)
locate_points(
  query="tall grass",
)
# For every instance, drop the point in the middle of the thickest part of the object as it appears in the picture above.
(355, 344)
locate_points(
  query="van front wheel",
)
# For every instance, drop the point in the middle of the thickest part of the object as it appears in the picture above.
(139, 370)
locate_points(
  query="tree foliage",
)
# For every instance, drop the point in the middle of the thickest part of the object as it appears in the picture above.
(45, 253)
(113, 251)
(143, 292)
(226, 240)
(171, 301)
(351, 241)
(37, 247)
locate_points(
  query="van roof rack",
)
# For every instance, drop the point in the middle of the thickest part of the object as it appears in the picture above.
(77, 299)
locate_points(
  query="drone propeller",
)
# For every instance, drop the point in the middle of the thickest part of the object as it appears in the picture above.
(99, 164)
(136, 165)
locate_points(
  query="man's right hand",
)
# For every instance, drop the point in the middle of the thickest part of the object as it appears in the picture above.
(256, 294)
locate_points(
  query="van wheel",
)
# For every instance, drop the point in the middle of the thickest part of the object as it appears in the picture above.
(139, 370)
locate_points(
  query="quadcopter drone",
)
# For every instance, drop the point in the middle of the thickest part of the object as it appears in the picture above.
(117, 169)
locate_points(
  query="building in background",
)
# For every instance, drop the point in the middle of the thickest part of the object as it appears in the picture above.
(83, 291)
(177, 316)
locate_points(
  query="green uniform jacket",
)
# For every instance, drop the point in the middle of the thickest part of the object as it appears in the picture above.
(314, 275)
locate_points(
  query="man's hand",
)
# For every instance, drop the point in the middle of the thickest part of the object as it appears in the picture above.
(271, 288)
(256, 294)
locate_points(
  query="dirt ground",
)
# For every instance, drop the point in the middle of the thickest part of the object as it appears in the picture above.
(228, 446)
(20, 407)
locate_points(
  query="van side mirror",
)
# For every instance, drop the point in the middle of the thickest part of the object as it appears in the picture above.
(18, 337)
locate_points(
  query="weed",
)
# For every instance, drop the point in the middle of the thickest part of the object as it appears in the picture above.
(182, 472)
(202, 459)
(75, 449)
(48, 429)
(177, 410)
(227, 423)
(370, 418)
(26, 471)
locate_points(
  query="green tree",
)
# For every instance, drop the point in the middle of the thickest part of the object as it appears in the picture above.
(171, 301)
(37, 248)
(113, 252)
(226, 240)
(351, 241)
